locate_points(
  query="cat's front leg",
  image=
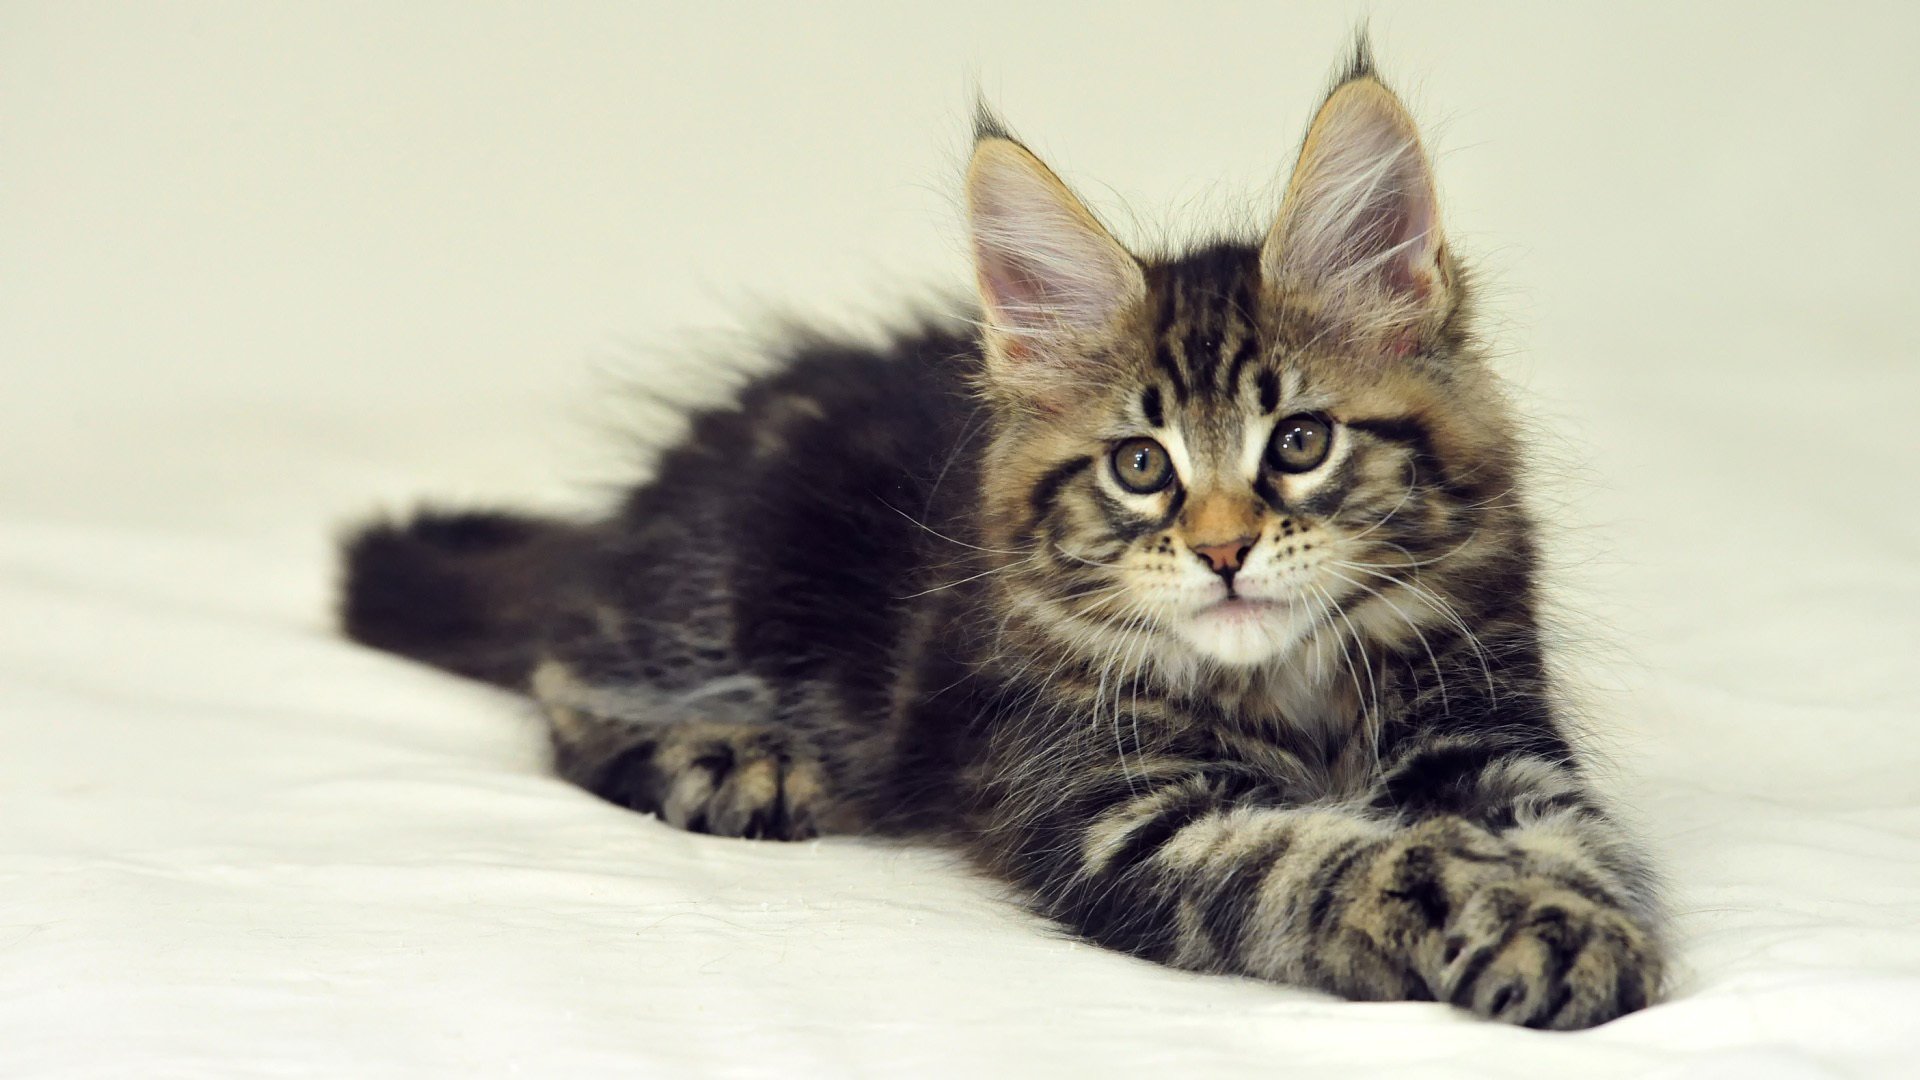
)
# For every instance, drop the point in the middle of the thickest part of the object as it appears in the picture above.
(1200, 872)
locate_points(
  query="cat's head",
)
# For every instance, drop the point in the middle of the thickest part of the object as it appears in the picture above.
(1216, 457)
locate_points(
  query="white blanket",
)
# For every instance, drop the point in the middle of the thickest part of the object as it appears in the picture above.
(263, 268)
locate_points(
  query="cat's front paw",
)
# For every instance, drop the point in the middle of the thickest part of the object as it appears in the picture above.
(1530, 951)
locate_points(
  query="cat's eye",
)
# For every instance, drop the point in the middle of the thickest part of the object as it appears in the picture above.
(1299, 443)
(1142, 466)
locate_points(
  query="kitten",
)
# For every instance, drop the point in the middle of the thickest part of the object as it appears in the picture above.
(1190, 595)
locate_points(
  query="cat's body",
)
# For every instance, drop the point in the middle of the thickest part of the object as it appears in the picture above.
(1192, 596)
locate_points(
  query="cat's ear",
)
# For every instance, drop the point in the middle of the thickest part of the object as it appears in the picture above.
(1360, 227)
(1051, 279)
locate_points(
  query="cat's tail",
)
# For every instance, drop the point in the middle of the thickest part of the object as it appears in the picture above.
(467, 591)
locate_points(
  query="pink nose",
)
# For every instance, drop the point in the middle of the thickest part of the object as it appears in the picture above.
(1225, 558)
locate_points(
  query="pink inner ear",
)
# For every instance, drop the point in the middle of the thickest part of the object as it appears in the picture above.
(1406, 271)
(1011, 285)
(1391, 232)
(1051, 289)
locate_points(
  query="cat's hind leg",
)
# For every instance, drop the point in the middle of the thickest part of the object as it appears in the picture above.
(710, 759)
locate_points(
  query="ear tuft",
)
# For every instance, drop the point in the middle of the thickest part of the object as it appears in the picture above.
(1359, 58)
(987, 124)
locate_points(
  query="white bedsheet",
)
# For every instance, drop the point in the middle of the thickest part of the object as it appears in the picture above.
(263, 268)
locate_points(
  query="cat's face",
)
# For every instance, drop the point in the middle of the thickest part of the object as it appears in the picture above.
(1236, 487)
(1230, 454)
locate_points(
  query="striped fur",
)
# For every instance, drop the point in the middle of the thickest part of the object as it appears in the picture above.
(1276, 714)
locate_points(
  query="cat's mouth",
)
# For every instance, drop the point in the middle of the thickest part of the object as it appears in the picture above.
(1237, 608)
(1242, 630)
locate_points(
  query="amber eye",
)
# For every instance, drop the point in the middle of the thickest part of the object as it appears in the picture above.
(1299, 443)
(1141, 466)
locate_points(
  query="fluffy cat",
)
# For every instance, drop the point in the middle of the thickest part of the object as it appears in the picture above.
(1190, 595)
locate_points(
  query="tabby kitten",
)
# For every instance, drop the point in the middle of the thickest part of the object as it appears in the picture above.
(1190, 595)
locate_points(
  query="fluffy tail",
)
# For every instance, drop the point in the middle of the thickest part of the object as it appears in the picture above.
(463, 591)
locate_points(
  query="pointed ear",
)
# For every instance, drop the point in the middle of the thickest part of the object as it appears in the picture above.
(1361, 222)
(1050, 276)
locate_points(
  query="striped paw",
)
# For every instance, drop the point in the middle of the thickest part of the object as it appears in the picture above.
(1530, 951)
(726, 779)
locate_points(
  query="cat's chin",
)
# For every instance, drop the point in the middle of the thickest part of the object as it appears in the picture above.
(1244, 633)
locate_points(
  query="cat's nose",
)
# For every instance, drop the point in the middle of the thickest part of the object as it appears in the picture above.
(1225, 559)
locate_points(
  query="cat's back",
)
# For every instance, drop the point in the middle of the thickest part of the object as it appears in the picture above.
(828, 414)
(818, 502)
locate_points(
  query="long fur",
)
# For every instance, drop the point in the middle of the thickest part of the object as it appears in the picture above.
(1283, 717)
